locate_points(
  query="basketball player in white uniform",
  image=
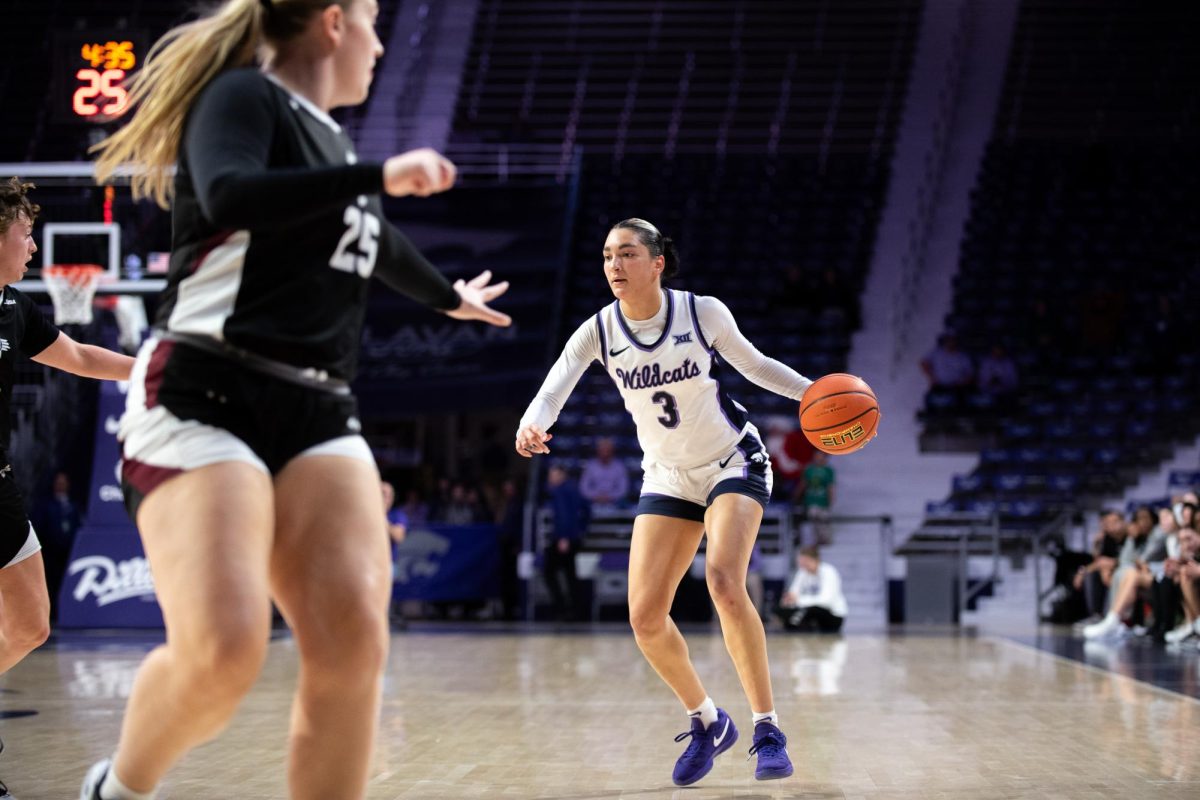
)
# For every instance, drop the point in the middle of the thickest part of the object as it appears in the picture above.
(705, 470)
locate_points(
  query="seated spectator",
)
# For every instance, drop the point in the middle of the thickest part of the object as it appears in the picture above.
(813, 602)
(790, 453)
(604, 481)
(1139, 563)
(948, 368)
(1095, 578)
(1184, 571)
(997, 373)
(818, 485)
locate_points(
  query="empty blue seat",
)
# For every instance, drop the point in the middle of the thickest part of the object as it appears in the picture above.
(996, 455)
(967, 483)
(1009, 482)
(941, 507)
(1183, 479)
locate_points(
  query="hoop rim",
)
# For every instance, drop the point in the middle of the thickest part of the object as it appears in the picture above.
(67, 270)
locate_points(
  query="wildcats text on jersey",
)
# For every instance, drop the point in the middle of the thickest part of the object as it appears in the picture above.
(651, 376)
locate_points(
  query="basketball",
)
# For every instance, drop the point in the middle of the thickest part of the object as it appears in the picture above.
(839, 414)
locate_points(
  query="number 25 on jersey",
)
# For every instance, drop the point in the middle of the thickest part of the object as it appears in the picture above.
(359, 245)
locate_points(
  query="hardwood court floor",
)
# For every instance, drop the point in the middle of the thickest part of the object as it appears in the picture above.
(582, 717)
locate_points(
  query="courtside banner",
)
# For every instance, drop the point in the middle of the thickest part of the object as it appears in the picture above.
(105, 505)
(447, 562)
(108, 583)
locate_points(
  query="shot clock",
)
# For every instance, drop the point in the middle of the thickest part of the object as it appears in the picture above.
(91, 70)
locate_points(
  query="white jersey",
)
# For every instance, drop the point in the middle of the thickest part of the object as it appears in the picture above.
(666, 371)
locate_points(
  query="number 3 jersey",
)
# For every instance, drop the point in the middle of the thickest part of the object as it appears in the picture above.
(276, 230)
(666, 371)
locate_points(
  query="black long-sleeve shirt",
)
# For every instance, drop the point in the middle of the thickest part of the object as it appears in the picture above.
(277, 228)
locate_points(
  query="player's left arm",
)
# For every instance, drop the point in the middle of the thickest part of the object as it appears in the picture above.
(85, 360)
(720, 330)
(402, 267)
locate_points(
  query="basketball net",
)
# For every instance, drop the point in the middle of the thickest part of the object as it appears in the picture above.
(71, 288)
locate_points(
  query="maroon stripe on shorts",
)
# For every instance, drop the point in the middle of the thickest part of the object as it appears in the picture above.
(210, 244)
(146, 477)
(155, 370)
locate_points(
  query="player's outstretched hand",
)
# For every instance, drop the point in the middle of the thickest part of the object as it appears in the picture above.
(476, 294)
(419, 172)
(532, 439)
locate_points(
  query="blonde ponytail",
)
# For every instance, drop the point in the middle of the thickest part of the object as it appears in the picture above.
(178, 66)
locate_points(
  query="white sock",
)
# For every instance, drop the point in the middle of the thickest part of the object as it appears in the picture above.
(706, 711)
(766, 716)
(113, 789)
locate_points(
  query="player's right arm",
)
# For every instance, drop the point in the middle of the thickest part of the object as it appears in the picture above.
(581, 350)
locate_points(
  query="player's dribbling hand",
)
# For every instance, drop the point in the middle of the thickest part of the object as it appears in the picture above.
(476, 294)
(419, 172)
(532, 439)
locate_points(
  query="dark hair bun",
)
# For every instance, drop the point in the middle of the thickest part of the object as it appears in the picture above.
(671, 257)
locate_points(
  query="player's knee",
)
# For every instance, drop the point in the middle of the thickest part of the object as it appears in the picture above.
(726, 586)
(647, 622)
(355, 644)
(227, 663)
(29, 634)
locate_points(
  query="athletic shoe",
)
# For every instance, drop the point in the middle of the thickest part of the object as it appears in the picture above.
(1106, 628)
(95, 778)
(706, 745)
(1185, 631)
(770, 745)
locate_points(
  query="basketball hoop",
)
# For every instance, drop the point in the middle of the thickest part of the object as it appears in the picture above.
(71, 288)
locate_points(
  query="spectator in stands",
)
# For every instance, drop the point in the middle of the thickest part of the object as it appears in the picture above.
(819, 484)
(998, 373)
(948, 368)
(570, 513)
(397, 528)
(460, 510)
(58, 520)
(1095, 578)
(813, 602)
(415, 509)
(397, 520)
(510, 523)
(790, 453)
(1184, 570)
(604, 481)
(440, 501)
(1138, 564)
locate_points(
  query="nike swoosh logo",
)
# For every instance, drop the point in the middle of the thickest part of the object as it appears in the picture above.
(722, 464)
(612, 352)
(717, 741)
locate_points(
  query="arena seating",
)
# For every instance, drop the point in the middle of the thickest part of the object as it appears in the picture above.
(1080, 260)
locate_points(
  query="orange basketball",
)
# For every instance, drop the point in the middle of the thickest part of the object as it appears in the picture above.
(839, 413)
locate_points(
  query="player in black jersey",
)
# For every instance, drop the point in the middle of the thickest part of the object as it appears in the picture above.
(242, 459)
(24, 604)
